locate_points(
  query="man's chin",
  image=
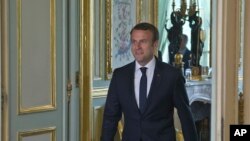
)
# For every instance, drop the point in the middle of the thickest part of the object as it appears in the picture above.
(139, 59)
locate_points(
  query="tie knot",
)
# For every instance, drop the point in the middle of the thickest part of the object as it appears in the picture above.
(143, 70)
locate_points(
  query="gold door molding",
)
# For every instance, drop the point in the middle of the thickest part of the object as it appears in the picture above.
(45, 133)
(32, 82)
(85, 71)
(4, 69)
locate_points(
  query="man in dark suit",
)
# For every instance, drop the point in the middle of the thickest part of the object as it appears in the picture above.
(185, 52)
(146, 92)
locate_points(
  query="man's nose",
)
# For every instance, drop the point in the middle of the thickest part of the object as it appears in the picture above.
(138, 45)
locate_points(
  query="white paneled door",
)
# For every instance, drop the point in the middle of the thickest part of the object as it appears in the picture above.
(35, 70)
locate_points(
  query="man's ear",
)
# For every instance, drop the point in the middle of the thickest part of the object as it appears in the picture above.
(156, 44)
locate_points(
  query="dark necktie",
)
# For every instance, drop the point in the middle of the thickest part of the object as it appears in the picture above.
(143, 89)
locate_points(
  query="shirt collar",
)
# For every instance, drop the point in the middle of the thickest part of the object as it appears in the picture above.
(150, 64)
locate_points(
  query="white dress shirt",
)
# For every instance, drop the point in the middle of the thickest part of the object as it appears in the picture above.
(150, 73)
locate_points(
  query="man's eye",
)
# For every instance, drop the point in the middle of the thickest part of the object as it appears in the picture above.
(133, 42)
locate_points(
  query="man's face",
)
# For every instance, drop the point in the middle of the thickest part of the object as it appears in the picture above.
(143, 47)
(183, 42)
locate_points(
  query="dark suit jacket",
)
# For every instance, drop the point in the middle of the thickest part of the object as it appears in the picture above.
(156, 123)
(186, 58)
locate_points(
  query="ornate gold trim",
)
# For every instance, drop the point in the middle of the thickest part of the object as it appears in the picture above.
(108, 38)
(5, 69)
(101, 38)
(120, 129)
(53, 51)
(98, 93)
(97, 122)
(153, 11)
(52, 105)
(85, 71)
(138, 11)
(51, 130)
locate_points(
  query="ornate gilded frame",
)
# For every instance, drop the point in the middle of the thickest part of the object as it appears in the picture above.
(109, 23)
(152, 6)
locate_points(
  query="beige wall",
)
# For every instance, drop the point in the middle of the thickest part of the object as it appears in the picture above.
(246, 64)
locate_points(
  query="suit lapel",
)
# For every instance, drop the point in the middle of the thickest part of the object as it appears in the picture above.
(131, 85)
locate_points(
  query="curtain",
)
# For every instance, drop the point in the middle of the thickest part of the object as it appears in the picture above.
(163, 6)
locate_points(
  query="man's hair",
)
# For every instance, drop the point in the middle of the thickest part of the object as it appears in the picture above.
(147, 26)
(185, 37)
